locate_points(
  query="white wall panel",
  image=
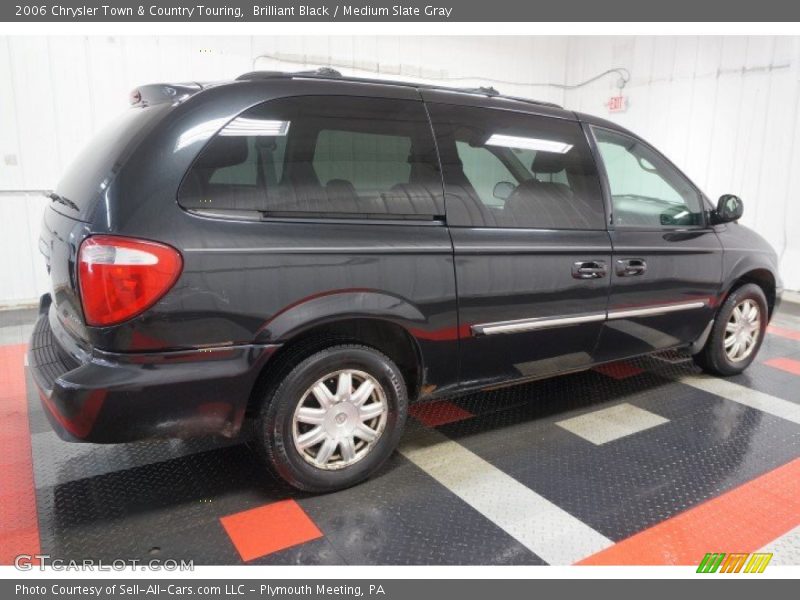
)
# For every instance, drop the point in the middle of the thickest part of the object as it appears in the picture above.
(10, 174)
(69, 93)
(725, 109)
(510, 64)
(35, 108)
(22, 271)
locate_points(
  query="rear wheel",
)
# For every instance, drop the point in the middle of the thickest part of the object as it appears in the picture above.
(334, 419)
(737, 333)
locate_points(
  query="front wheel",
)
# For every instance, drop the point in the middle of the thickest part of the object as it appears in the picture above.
(334, 419)
(737, 332)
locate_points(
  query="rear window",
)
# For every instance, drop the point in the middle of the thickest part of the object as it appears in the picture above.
(321, 156)
(93, 168)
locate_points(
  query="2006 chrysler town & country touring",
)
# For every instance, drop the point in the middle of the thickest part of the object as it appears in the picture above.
(308, 253)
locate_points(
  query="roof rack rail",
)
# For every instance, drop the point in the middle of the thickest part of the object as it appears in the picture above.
(325, 72)
(532, 101)
(329, 73)
(483, 90)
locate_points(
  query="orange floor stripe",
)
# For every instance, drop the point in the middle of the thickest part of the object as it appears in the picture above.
(784, 364)
(19, 523)
(440, 412)
(741, 520)
(619, 370)
(12, 371)
(791, 334)
(269, 528)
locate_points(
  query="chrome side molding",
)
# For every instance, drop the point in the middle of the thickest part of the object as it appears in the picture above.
(649, 311)
(521, 325)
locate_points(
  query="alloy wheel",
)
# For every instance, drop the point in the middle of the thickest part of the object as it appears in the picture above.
(339, 419)
(742, 331)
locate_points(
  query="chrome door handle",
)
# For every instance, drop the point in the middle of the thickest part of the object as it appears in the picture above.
(589, 269)
(629, 267)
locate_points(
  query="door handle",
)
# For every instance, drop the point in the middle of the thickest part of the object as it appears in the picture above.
(629, 267)
(589, 269)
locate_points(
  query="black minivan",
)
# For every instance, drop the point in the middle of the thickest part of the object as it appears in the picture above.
(308, 253)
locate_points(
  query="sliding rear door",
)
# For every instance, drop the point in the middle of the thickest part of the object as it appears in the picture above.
(532, 253)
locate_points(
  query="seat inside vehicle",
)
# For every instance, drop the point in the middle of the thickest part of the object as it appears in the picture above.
(369, 169)
(551, 203)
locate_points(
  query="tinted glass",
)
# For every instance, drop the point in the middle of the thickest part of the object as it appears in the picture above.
(646, 190)
(509, 169)
(321, 156)
(484, 171)
(372, 162)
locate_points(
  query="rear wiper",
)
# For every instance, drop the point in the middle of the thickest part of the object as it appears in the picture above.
(61, 200)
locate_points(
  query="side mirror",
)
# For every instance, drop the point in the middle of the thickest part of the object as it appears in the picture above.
(729, 208)
(503, 190)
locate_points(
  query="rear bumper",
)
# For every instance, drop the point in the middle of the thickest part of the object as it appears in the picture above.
(110, 398)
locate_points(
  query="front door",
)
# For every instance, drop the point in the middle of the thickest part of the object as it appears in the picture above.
(667, 263)
(532, 253)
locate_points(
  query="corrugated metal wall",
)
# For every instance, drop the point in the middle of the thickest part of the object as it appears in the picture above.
(723, 108)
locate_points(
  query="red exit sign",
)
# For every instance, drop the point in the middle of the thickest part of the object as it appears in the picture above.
(617, 104)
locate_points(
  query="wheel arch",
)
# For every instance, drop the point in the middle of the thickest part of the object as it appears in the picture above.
(382, 334)
(763, 278)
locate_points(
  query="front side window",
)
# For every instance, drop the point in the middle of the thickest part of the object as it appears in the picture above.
(510, 169)
(321, 156)
(646, 190)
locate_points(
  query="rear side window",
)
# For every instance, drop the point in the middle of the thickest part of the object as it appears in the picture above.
(372, 162)
(509, 169)
(333, 156)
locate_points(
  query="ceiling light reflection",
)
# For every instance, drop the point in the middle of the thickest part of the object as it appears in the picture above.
(525, 143)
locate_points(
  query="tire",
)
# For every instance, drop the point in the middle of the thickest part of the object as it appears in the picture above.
(279, 427)
(714, 358)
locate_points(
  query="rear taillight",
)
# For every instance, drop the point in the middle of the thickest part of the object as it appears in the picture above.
(121, 277)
